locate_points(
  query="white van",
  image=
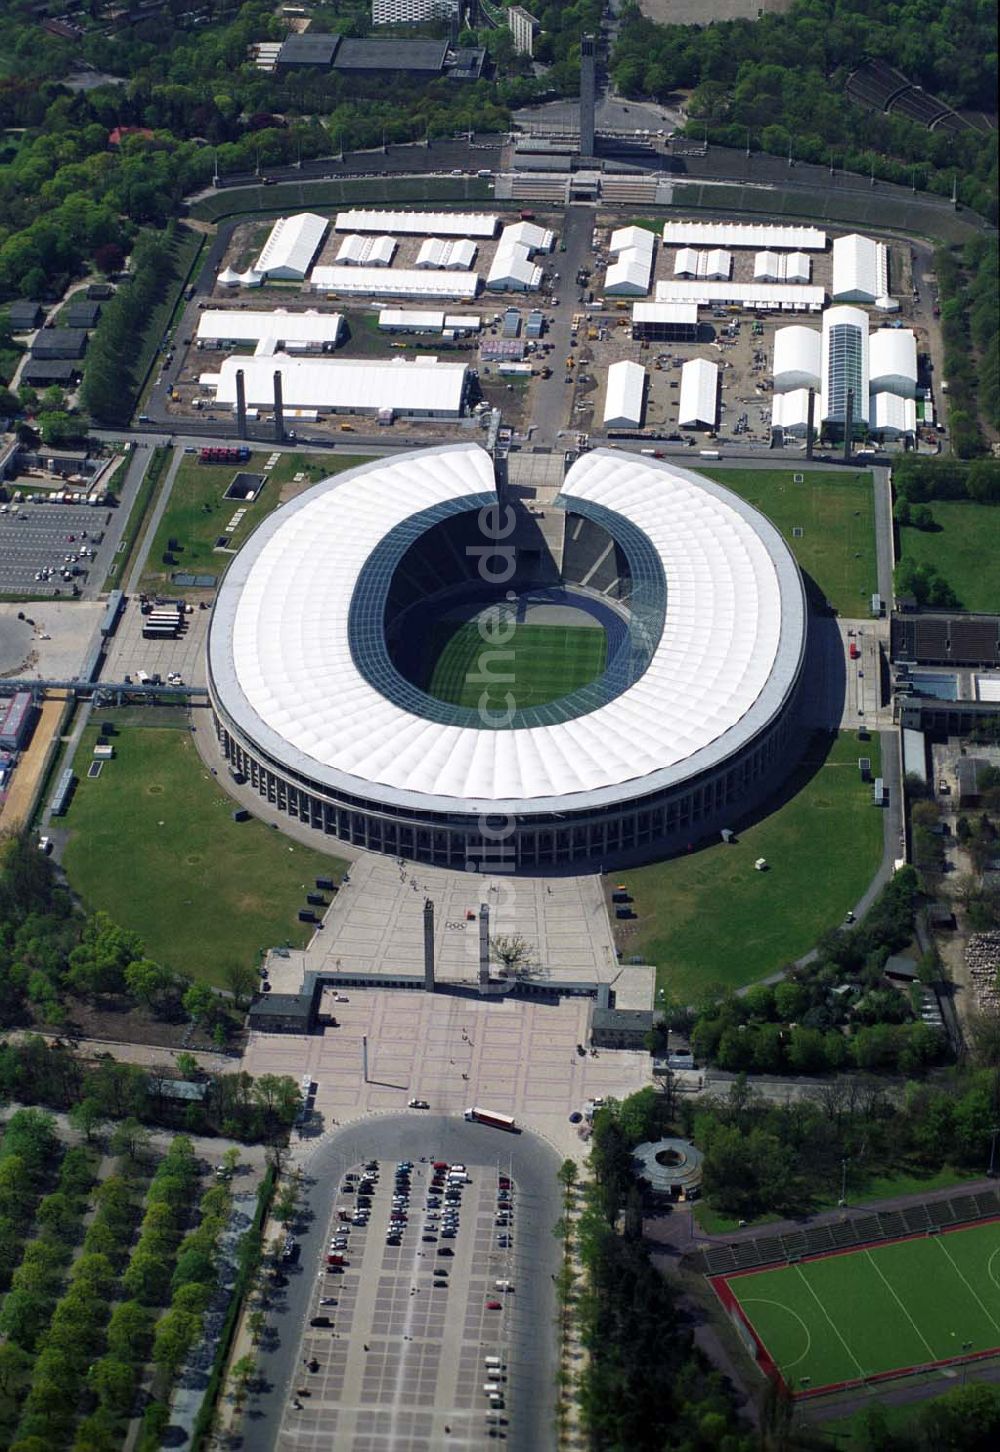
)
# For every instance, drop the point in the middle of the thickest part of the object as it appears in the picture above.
(504, 1285)
(491, 1388)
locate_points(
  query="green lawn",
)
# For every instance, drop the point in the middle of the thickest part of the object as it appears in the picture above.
(964, 549)
(197, 514)
(152, 841)
(835, 511)
(709, 919)
(539, 663)
(882, 1309)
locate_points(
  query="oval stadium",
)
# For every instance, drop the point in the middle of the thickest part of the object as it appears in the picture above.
(418, 661)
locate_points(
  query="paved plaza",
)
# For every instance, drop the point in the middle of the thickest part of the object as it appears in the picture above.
(515, 1056)
(52, 640)
(376, 924)
(129, 653)
(38, 538)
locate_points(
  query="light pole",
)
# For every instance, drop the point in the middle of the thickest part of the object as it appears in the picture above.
(966, 1348)
(843, 1182)
(991, 1168)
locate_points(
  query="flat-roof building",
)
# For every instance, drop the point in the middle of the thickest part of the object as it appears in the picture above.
(523, 27)
(293, 331)
(309, 50)
(17, 720)
(416, 387)
(418, 224)
(625, 397)
(699, 396)
(394, 282)
(798, 358)
(413, 12)
(658, 322)
(291, 246)
(415, 57)
(860, 269)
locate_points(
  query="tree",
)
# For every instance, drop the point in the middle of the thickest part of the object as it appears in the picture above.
(130, 1138)
(149, 982)
(15, 1366)
(241, 981)
(242, 1373)
(88, 1118)
(188, 1066)
(113, 1381)
(176, 1333)
(200, 1003)
(516, 956)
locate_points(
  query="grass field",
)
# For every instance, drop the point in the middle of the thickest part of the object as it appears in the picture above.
(834, 510)
(709, 920)
(152, 841)
(197, 515)
(964, 549)
(876, 1311)
(541, 663)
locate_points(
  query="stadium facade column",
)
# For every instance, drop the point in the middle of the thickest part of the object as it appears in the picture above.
(428, 945)
(588, 63)
(484, 945)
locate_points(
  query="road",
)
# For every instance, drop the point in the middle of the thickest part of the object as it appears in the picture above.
(550, 407)
(532, 1356)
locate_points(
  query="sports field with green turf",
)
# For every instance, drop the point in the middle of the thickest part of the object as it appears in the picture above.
(538, 663)
(877, 1311)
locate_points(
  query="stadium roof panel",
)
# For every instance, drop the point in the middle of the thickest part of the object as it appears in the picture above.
(284, 668)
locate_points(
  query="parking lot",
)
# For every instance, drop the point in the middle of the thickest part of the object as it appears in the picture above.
(418, 1273)
(48, 549)
(129, 653)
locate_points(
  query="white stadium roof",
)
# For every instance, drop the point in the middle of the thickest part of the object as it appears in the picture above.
(739, 234)
(283, 668)
(892, 361)
(231, 325)
(798, 358)
(418, 224)
(291, 246)
(860, 269)
(395, 282)
(626, 391)
(354, 385)
(372, 251)
(699, 395)
(776, 295)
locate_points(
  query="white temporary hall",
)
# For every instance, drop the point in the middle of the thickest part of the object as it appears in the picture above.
(634, 251)
(739, 234)
(417, 224)
(798, 357)
(892, 361)
(313, 331)
(772, 296)
(623, 402)
(456, 254)
(782, 267)
(420, 387)
(891, 417)
(291, 246)
(790, 411)
(394, 282)
(371, 251)
(716, 264)
(860, 269)
(699, 396)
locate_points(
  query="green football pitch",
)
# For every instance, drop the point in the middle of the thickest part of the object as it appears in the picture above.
(875, 1312)
(538, 663)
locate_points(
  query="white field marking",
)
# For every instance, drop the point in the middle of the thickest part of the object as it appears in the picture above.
(939, 1240)
(877, 1269)
(989, 1268)
(832, 1323)
(763, 1301)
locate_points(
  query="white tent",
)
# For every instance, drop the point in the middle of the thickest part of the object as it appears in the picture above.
(623, 401)
(457, 253)
(797, 358)
(892, 417)
(699, 397)
(394, 282)
(359, 251)
(790, 411)
(892, 362)
(291, 246)
(860, 269)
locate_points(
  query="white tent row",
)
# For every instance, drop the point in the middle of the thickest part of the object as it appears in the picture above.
(425, 320)
(699, 396)
(782, 267)
(634, 251)
(740, 234)
(229, 277)
(418, 224)
(773, 295)
(359, 251)
(291, 246)
(312, 330)
(512, 269)
(422, 387)
(623, 402)
(457, 254)
(716, 264)
(392, 282)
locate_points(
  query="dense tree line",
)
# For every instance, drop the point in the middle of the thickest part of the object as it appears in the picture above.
(645, 1385)
(835, 1012)
(970, 319)
(783, 76)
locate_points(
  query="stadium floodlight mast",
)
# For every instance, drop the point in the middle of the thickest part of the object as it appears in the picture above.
(843, 1182)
